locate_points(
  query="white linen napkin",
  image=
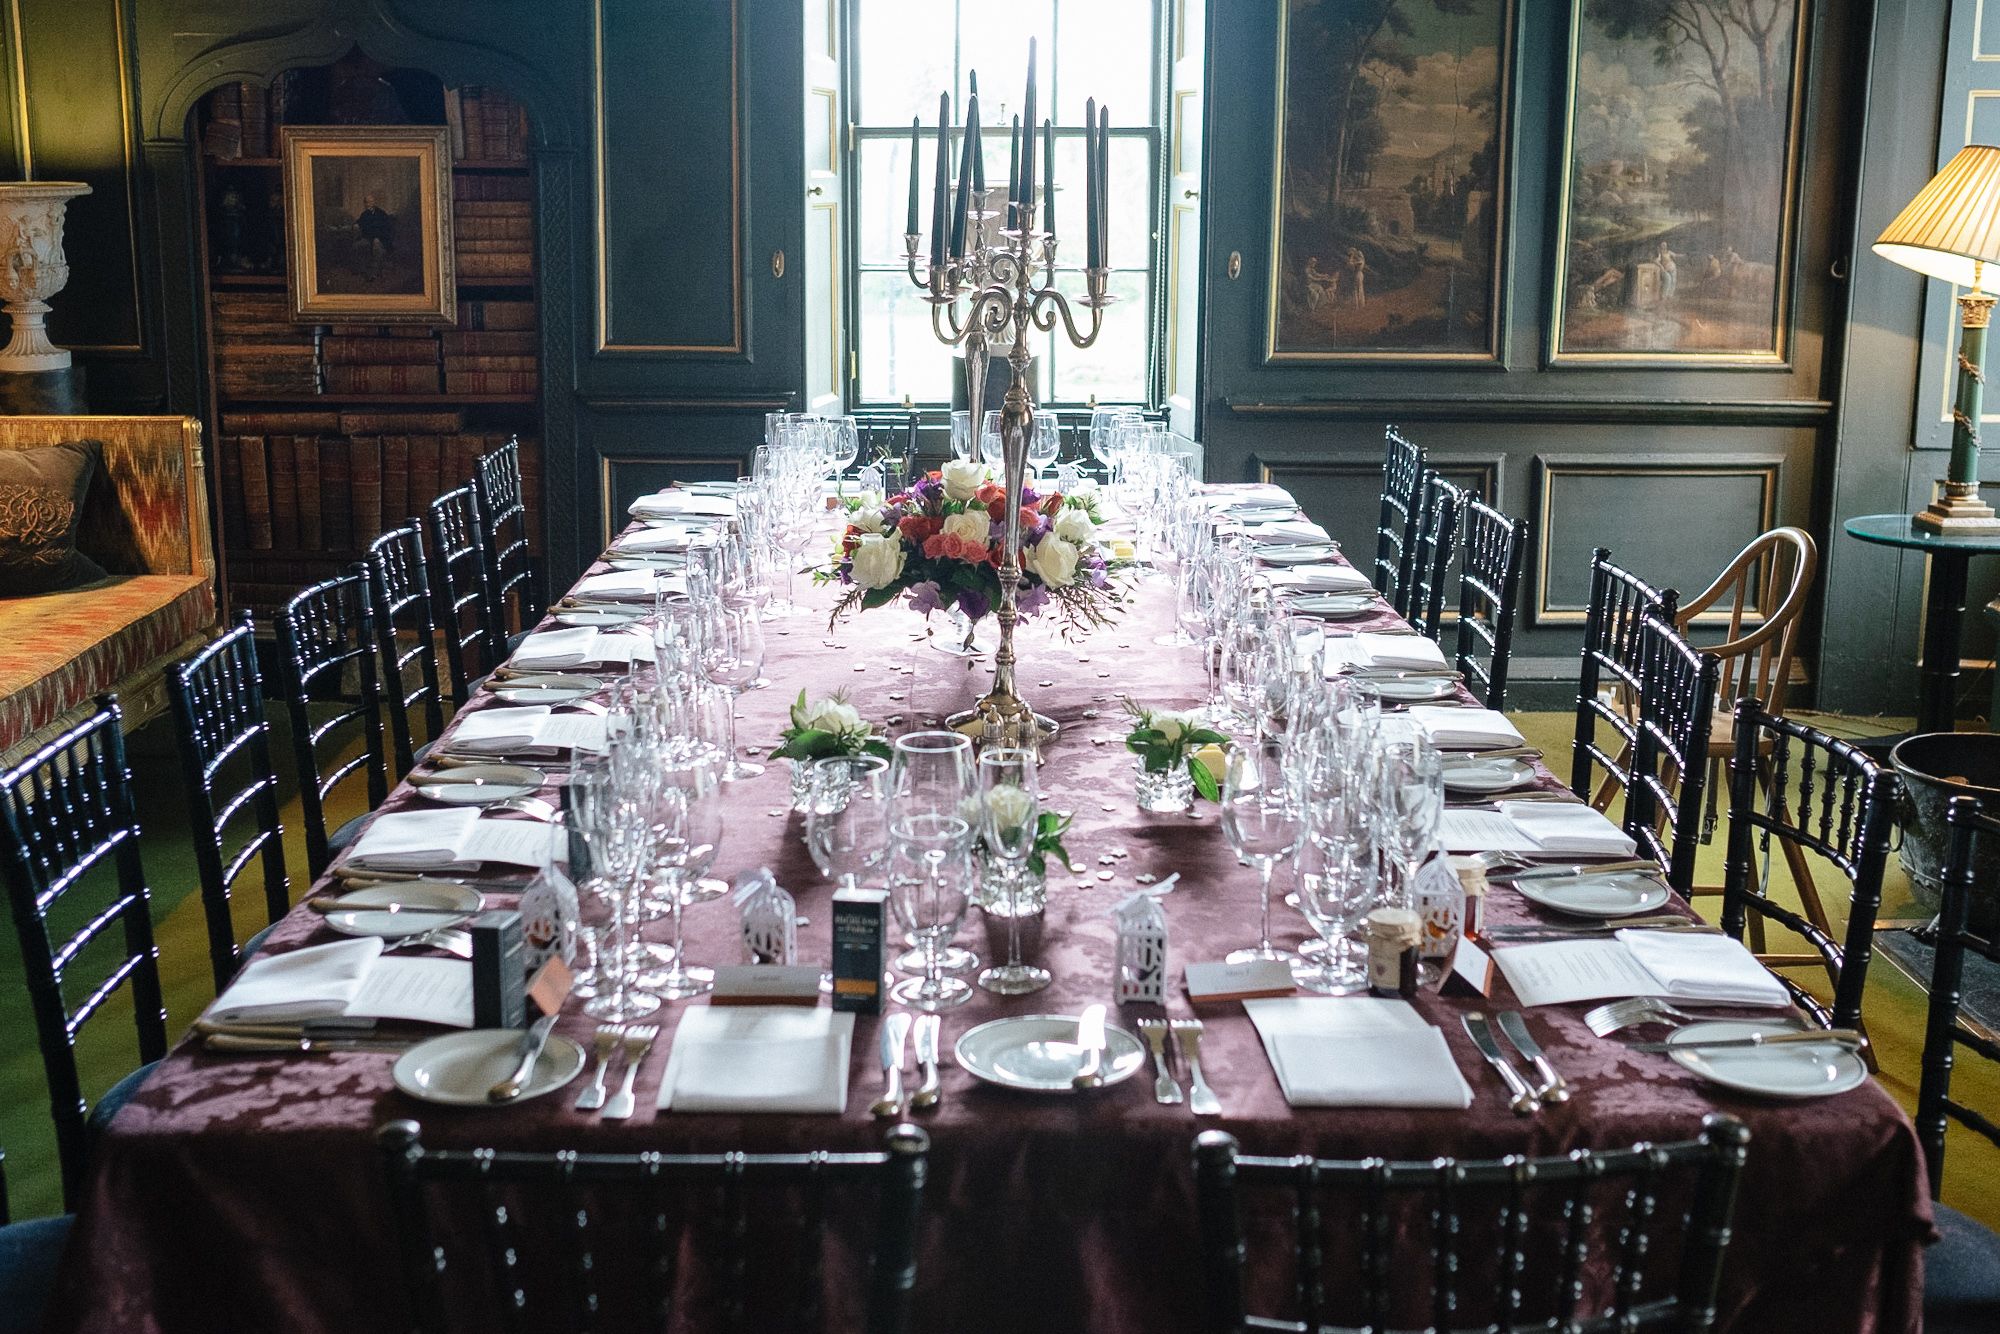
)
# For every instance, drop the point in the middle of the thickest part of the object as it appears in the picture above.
(1327, 578)
(576, 646)
(621, 586)
(532, 727)
(1696, 967)
(670, 537)
(1288, 533)
(671, 503)
(317, 982)
(758, 1058)
(1367, 651)
(1357, 1052)
(1568, 827)
(453, 839)
(1464, 729)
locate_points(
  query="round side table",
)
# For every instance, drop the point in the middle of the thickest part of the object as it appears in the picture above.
(1944, 610)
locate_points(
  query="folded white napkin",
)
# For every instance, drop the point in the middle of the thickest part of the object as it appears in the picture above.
(625, 585)
(1358, 1052)
(1464, 729)
(1696, 967)
(1367, 651)
(1568, 827)
(453, 839)
(1233, 491)
(317, 982)
(668, 537)
(576, 646)
(1327, 578)
(670, 504)
(534, 727)
(778, 1058)
(1288, 532)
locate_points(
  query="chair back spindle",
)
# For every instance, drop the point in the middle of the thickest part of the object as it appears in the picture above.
(1670, 754)
(461, 600)
(1489, 595)
(399, 583)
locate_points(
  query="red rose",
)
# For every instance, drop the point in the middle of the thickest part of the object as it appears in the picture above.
(997, 509)
(1052, 504)
(988, 493)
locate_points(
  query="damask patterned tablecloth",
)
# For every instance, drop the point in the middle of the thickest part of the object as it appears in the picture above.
(247, 1194)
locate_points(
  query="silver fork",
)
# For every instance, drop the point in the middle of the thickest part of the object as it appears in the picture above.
(638, 1041)
(1201, 1098)
(1631, 1013)
(1166, 1089)
(449, 939)
(605, 1044)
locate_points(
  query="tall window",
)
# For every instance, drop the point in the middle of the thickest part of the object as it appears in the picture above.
(903, 54)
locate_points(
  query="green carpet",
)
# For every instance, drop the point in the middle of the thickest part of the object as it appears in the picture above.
(1894, 1008)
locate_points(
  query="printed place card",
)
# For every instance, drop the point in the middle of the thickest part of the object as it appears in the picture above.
(1209, 983)
(766, 984)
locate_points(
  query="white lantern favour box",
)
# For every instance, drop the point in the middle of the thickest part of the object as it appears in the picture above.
(1142, 949)
(770, 919)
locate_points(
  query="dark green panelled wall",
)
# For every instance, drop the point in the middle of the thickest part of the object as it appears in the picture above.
(669, 146)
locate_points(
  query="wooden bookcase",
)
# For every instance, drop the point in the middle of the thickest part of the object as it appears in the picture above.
(322, 436)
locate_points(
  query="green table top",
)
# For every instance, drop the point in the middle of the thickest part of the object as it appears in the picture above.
(1896, 530)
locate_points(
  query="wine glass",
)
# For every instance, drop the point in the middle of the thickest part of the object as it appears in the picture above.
(932, 773)
(732, 656)
(1010, 811)
(1260, 818)
(931, 875)
(686, 829)
(1044, 444)
(964, 445)
(844, 440)
(1410, 803)
(846, 815)
(991, 450)
(1333, 904)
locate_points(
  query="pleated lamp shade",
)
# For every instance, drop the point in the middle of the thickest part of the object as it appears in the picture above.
(1951, 230)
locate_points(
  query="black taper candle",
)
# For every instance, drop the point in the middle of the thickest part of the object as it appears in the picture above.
(1028, 143)
(916, 151)
(1104, 187)
(978, 146)
(1014, 176)
(941, 190)
(958, 216)
(1091, 185)
(1049, 177)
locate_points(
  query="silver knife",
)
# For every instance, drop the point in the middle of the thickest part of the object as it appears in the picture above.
(1574, 869)
(532, 1042)
(1090, 1042)
(1839, 1037)
(895, 1033)
(930, 1085)
(1523, 1099)
(1554, 1087)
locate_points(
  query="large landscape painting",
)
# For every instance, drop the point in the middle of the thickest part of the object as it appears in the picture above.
(1680, 179)
(1391, 115)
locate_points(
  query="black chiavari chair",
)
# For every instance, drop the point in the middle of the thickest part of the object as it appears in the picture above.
(1489, 596)
(1437, 546)
(589, 1211)
(1456, 1245)
(327, 663)
(1962, 1270)
(1670, 754)
(1396, 530)
(399, 582)
(513, 576)
(1620, 602)
(29, 1254)
(462, 601)
(72, 852)
(1824, 795)
(217, 701)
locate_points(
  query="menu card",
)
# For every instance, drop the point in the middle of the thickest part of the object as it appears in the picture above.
(348, 979)
(628, 586)
(1685, 966)
(1551, 828)
(1464, 729)
(670, 503)
(453, 840)
(1327, 578)
(577, 646)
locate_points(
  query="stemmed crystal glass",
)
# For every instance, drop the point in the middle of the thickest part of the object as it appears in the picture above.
(1010, 811)
(1333, 903)
(1044, 444)
(931, 877)
(612, 819)
(1260, 818)
(1410, 804)
(732, 656)
(932, 773)
(685, 830)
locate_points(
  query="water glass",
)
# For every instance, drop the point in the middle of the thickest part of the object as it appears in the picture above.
(1009, 823)
(1261, 820)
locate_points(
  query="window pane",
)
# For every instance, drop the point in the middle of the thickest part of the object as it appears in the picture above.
(1130, 204)
(1114, 367)
(993, 39)
(883, 192)
(906, 45)
(1104, 49)
(899, 353)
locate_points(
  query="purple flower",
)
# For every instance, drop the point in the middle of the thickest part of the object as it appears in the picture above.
(1031, 599)
(973, 603)
(924, 598)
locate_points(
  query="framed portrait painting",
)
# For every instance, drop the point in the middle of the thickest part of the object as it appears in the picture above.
(1389, 180)
(1680, 182)
(368, 224)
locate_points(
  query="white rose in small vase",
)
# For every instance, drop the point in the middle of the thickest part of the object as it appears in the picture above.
(878, 561)
(971, 526)
(831, 715)
(962, 478)
(867, 519)
(1170, 726)
(1053, 561)
(1074, 525)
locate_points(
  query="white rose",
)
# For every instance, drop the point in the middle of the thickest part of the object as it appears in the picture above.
(866, 519)
(830, 715)
(963, 477)
(1170, 726)
(1011, 804)
(878, 561)
(1073, 525)
(972, 526)
(1053, 560)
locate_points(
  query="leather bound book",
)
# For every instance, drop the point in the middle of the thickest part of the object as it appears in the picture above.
(424, 486)
(253, 466)
(378, 351)
(336, 505)
(284, 490)
(312, 527)
(395, 479)
(364, 469)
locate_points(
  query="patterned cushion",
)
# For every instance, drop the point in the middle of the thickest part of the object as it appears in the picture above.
(58, 651)
(41, 504)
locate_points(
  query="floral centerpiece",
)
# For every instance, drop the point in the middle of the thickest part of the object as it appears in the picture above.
(822, 729)
(937, 545)
(1174, 757)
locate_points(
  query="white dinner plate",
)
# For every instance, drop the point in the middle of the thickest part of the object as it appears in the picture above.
(1482, 777)
(458, 1068)
(1038, 1052)
(1337, 606)
(410, 893)
(1303, 553)
(1794, 1070)
(546, 688)
(481, 784)
(598, 616)
(1617, 894)
(1413, 689)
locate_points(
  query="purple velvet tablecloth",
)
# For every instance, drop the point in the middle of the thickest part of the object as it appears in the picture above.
(246, 1194)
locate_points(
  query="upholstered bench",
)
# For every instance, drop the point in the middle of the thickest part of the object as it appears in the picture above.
(144, 520)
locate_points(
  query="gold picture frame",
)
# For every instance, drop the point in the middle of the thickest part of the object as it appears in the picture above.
(368, 236)
(1640, 308)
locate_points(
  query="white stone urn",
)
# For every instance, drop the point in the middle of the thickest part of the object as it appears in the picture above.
(32, 268)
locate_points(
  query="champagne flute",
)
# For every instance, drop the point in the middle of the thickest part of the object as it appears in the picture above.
(932, 773)
(732, 656)
(1260, 818)
(931, 875)
(1411, 803)
(687, 827)
(1010, 811)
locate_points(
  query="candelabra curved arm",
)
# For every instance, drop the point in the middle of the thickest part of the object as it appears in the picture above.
(1049, 305)
(945, 315)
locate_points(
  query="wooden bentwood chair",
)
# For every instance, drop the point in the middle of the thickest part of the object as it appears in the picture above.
(1620, 602)
(1437, 547)
(327, 664)
(72, 851)
(1489, 596)
(1962, 1271)
(1595, 1240)
(217, 700)
(464, 1218)
(1396, 530)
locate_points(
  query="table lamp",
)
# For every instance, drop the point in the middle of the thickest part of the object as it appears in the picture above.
(1951, 230)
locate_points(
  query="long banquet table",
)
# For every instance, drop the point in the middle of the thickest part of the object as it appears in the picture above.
(246, 1193)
